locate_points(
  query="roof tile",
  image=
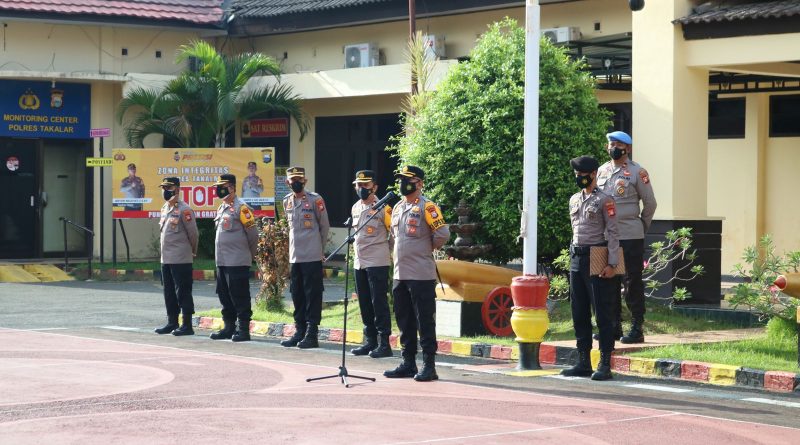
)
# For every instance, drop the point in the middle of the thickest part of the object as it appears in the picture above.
(198, 12)
(738, 10)
(273, 8)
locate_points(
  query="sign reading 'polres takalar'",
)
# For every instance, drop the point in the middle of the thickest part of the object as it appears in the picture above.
(41, 110)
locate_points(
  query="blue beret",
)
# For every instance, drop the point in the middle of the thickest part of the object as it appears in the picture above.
(584, 164)
(620, 136)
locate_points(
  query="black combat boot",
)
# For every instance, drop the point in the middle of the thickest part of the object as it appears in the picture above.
(406, 369)
(186, 327)
(383, 349)
(370, 344)
(311, 340)
(299, 333)
(226, 332)
(604, 368)
(635, 335)
(172, 324)
(243, 333)
(581, 369)
(428, 372)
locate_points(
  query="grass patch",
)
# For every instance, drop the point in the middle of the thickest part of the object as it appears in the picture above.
(659, 320)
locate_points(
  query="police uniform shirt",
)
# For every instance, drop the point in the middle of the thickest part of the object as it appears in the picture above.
(236, 237)
(308, 226)
(594, 221)
(372, 242)
(252, 187)
(417, 228)
(178, 233)
(628, 184)
(132, 187)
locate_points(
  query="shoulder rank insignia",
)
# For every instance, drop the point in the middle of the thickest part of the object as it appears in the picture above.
(246, 217)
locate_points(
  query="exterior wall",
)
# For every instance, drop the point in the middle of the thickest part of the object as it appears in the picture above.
(614, 16)
(612, 96)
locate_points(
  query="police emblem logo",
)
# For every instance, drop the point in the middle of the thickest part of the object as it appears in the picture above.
(307, 224)
(361, 175)
(415, 209)
(56, 99)
(370, 230)
(620, 190)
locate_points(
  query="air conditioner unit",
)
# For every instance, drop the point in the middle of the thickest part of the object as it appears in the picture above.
(434, 47)
(564, 34)
(361, 55)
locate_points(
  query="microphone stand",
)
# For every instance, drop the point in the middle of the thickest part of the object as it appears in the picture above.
(343, 374)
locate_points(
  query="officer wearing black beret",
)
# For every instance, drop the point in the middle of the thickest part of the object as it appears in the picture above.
(594, 223)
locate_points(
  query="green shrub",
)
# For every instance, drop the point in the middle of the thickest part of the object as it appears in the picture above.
(781, 328)
(468, 138)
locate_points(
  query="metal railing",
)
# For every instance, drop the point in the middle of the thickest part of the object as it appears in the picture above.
(114, 244)
(66, 249)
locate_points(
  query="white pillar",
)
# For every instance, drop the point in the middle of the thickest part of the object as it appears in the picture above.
(530, 173)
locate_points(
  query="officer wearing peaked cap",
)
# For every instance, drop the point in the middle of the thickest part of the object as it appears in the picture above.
(628, 183)
(235, 246)
(178, 248)
(373, 257)
(594, 223)
(418, 228)
(308, 234)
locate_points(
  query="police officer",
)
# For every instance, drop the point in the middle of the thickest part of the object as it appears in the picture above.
(628, 183)
(417, 228)
(371, 265)
(132, 186)
(594, 223)
(252, 186)
(235, 246)
(308, 233)
(178, 249)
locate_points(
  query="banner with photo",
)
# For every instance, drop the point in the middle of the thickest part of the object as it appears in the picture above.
(137, 174)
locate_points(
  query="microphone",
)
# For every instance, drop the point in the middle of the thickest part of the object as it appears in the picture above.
(349, 221)
(382, 202)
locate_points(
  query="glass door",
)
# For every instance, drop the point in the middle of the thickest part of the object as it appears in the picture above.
(18, 198)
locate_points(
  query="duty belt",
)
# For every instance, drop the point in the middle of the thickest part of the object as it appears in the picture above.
(576, 250)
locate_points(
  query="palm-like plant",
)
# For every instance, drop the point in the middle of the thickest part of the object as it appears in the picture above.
(198, 108)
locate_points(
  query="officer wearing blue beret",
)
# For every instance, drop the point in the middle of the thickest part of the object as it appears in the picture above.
(594, 223)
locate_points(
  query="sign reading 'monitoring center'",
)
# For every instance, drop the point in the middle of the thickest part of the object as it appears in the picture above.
(41, 110)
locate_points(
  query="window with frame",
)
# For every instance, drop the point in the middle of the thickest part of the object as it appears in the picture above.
(784, 116)
(726, 118)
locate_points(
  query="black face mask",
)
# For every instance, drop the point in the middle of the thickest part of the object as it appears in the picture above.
(617, 153)
(364, 193)
(222, 191)
(297, 186)
(407, 187)
(167, 194)
(583, 181)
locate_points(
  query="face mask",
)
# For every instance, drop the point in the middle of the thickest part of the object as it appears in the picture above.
(364, 193)
(167, 194)
(407, 187)
(222, 191)
(617, 153)
(297, 187)
(583, 181)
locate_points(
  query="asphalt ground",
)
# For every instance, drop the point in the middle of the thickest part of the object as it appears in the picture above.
(80, 364)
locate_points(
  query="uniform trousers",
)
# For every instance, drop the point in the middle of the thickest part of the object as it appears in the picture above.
(372, 285)
(586, 293)
(633, 251)
(233, 289)
(415, 310)
(177, 281)
(306, 288)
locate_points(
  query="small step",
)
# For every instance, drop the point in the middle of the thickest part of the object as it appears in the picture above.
(47, 272)
(11, 273)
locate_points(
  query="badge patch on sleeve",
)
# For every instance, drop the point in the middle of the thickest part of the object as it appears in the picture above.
(187, 215)
(320, 205)
(611, 208)
(645, 177)
(433, 216)
(246, 217)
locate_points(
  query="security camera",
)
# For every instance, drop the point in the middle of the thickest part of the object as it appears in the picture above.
(636, 5)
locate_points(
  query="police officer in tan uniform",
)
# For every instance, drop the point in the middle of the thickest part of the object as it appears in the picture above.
(628, 183)
(178, 249)
(235, 246)
(371, 265)
(594, 223)
(252, 185)
(418, 228)
(132, 186)
(308, 233)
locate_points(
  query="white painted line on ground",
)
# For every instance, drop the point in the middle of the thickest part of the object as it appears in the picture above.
(773, 402)
(658, 388)
(119, 328)
(47, 329)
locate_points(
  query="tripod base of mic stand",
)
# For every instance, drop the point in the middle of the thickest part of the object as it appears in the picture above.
(344, 375)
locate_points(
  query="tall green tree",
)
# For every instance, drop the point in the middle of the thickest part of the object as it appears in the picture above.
(468, 136)
(199, 107)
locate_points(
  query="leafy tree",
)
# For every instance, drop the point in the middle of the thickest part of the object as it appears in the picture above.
(468, 137)
(198, 108)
